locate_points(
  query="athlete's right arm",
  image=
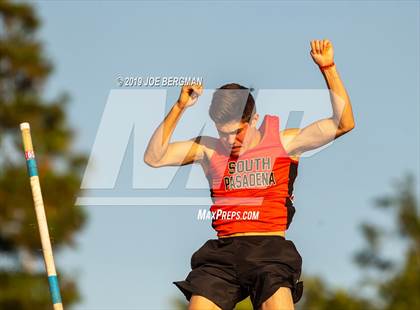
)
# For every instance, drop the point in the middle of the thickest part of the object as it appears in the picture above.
(160, 151)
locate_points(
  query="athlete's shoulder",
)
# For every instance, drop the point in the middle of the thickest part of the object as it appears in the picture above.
(290, 132)
(286, 136)
(208, 145)
(207, 142)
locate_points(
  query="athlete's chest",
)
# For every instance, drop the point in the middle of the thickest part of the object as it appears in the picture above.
(210, 154)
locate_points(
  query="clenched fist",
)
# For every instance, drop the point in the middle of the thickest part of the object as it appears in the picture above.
(322, 52)
(189, 95)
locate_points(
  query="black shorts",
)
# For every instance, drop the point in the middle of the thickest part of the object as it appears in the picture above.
(227, 270)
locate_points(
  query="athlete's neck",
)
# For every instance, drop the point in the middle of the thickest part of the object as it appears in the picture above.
(256, 139)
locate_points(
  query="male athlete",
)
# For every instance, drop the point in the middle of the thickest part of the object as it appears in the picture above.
(251, 173)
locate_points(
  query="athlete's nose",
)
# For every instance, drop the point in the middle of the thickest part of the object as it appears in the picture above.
(231, 139)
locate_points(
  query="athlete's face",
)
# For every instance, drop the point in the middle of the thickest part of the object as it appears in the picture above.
(237, 135)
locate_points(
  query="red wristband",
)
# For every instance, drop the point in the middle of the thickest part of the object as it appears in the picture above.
(327, 66)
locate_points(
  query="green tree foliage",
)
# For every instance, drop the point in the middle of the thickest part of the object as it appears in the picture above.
(24, 69)
(398, 286)
(396, 283)
(182, 304)
(245, 304)
(318, 296)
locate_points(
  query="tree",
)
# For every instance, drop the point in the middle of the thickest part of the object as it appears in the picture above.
(24, 69)
(181, 304)
(318, 296)
(396, 283)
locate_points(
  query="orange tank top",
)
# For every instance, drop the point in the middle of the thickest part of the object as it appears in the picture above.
(253, 192)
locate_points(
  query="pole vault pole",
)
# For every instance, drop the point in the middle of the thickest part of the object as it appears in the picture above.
(40, 216)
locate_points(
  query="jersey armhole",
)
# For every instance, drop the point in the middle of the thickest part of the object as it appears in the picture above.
(277, 127)
(213, 146)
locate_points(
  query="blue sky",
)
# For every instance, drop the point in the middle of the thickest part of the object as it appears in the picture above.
(128, 256)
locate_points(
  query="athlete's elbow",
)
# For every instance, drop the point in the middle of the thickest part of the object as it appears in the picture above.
(349, 127)
(150, 161)
(152, 164)
(345, 128)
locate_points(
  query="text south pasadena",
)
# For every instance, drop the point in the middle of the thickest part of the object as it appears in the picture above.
(249, 173)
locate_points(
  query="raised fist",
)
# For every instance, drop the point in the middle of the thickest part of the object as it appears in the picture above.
(322, 52)
(189, 95)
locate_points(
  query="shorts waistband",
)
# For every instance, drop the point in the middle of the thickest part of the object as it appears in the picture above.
(252, 237)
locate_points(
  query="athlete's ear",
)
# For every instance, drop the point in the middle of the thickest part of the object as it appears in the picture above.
(254, 120)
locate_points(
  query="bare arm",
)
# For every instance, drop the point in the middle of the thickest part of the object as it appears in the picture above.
(287, 136)
(160, 151)
(325, 130)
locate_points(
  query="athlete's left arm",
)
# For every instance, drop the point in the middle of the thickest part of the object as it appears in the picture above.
(325, 130)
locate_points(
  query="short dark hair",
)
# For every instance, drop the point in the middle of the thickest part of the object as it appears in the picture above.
(232, 102)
